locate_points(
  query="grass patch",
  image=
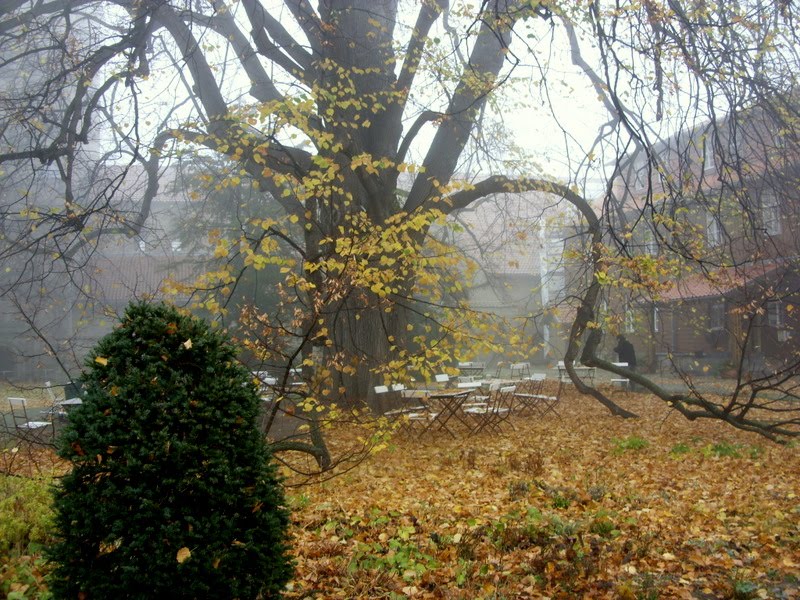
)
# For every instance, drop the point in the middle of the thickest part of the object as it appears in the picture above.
(632, 442)
(680, 448)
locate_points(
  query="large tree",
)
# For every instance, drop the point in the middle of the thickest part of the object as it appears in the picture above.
(363, 121)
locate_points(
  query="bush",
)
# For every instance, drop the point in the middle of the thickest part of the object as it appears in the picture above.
(172, 493)
(25, 514)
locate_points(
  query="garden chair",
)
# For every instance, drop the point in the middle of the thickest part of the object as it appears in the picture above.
(520, 370)
(540, 402)
(493, 414)
(442, 379)
(26, 429)
(408, 412)
(530, 399)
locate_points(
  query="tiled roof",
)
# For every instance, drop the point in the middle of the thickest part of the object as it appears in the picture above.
(716, 284)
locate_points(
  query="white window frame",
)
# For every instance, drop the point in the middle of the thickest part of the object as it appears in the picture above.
(775, 314)
(771, 214)
(713, 229)
(630, 322)
(556, 274)
(709, 156)
(650, 245)
(716, 315)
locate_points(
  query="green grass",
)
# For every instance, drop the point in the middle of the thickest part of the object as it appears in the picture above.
(632, 442)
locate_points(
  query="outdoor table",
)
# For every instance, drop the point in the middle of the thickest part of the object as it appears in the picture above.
(471, 368)
(70, 404)
(449, 407)
(582, 371)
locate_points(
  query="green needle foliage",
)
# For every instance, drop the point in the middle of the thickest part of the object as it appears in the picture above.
(172, 492)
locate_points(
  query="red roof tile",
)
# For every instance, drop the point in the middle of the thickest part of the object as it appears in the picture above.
(718, 283)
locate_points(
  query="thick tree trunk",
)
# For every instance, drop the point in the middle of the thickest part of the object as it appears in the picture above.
(367, 337)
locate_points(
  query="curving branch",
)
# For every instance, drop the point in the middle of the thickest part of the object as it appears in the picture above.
(262, 87)
(427, 16)
(309, 22)
(274, 42)
(427, 116)
(477, 82)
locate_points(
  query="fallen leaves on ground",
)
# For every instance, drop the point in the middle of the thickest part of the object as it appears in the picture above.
(584, 505)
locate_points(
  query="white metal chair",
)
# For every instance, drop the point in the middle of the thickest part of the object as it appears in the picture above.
(25, 428)
(494, 413)
(538, 402)
(530, 399)
(412, 414)
(471, 368)
(56, 409)
(408, 410)
(520, 370)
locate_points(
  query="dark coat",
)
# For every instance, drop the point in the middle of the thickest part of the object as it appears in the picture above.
(626, 352)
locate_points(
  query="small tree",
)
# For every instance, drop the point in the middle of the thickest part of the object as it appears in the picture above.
(172, 493)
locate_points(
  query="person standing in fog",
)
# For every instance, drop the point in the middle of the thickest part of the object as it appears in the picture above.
(626, 352)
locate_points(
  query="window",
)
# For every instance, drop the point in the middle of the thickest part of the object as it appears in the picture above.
(777, 320)
(709, 158)
(713, 230)
(771, 214)
(775, 314)
(650, 245)
(716, 316)
(555, 274)
(630, 325)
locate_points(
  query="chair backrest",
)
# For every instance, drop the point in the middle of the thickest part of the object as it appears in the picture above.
(48, 387)
(442, 378)
(19, 410)
(17, 403)
(381, 389)
(561, 364)
(469, 384)
(538, 376)
(398, 387)
(505, 396)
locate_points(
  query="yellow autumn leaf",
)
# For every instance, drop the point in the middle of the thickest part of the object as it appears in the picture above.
(183, 555)
(187, 344)
(101, 360)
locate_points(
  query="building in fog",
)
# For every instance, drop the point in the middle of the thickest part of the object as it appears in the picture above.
(730, 195)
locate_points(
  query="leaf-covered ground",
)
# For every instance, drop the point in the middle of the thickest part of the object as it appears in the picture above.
(581, 506)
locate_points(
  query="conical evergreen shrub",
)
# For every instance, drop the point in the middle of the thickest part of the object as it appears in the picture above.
(172, 493)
